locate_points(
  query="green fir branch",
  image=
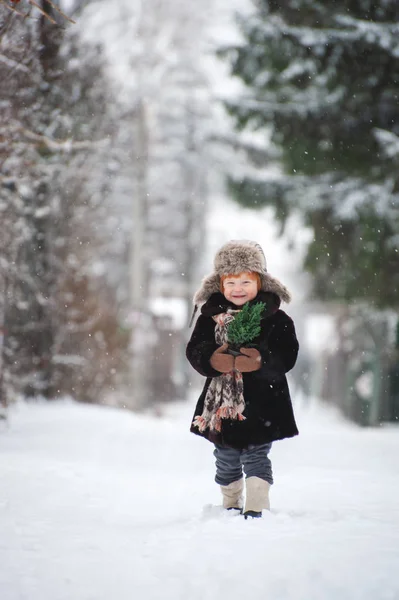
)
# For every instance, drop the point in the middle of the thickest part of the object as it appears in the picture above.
(246, 324)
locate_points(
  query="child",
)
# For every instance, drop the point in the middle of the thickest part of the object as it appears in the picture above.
(245, 404)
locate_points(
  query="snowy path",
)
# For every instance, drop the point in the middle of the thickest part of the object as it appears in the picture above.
(99, 504)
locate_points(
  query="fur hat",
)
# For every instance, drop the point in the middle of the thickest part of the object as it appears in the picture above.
(238, 256)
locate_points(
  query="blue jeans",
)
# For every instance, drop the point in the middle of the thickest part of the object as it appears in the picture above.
(231, 462)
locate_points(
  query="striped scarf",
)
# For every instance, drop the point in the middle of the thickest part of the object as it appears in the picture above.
(225, 395)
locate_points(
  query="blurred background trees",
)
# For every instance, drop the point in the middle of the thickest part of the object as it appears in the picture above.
(60, 313)
(321, 84)
(103, 195)
(113, 152)
(320, 95)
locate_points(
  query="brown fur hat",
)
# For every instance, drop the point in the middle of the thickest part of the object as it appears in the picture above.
(236, 257)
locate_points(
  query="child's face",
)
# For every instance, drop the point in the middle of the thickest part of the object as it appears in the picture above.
(240, 289)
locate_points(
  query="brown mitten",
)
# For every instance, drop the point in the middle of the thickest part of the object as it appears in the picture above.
(252, 361)
(222, 362)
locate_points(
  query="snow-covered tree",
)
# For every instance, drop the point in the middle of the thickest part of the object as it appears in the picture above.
(321, 94)
(60, 312)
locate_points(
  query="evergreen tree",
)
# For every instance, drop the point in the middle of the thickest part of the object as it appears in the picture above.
(322, 84)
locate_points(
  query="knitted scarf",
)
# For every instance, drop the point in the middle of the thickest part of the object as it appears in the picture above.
(225, 395)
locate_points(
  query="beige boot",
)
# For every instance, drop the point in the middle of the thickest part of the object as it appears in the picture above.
(257, 497)
(232, 494)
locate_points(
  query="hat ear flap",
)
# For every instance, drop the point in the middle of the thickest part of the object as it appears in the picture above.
(210, 285)
(271, 284)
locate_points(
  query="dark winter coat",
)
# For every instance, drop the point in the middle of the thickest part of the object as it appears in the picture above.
(269, 414)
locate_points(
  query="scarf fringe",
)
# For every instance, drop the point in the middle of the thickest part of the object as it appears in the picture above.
(215, 423)
(201, 423)
(229, 412)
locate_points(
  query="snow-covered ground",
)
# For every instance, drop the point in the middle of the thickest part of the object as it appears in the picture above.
(101, 504)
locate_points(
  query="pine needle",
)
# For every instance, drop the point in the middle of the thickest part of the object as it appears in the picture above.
(246, 324)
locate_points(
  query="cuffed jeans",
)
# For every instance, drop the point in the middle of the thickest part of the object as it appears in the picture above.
(231, 462)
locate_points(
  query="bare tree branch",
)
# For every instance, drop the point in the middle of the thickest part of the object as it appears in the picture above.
(56, 8)
(11, 7)
(67, 145)
(39, 8)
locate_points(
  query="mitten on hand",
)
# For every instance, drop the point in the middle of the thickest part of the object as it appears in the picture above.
(222, 362)
(252, 361)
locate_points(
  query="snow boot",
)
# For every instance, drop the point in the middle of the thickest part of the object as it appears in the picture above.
(252, 514)
(232, 495)
(257, 497)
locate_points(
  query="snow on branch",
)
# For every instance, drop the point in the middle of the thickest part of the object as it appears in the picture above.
(303, 102)
(389, 142)
(344, 196)
(348, 30)
(13, 64)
